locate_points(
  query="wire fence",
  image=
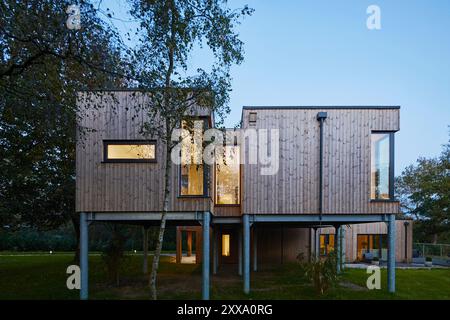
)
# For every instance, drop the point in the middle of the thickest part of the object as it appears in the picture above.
(431, 250)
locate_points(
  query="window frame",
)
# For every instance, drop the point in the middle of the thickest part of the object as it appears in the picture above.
(207, 124)
(240, 184)
(391, 166)
(108, 142)
(371, 240)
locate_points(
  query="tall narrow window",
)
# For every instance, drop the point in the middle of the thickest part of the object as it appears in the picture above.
(228, 176)
(192, 171)
(225, 245)
(381, 187)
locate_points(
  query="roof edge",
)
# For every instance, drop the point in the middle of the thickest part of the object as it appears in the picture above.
(317, 107)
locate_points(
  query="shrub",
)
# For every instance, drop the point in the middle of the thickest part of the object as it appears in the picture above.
(321, 272)
(429, 259)
(376, 259)
(113, 254)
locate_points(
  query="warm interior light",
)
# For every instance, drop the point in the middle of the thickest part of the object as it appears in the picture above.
(131, 151)
(226, 245)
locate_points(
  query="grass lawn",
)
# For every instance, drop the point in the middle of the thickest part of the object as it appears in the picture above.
(42, 276)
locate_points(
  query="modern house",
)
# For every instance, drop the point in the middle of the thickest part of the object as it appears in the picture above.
(305, 177)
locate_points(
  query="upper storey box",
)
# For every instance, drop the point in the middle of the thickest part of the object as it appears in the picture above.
(118, 169)
(358, 161)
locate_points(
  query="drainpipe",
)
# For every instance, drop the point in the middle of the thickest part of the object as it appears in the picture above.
(406, 223)
(321, 116)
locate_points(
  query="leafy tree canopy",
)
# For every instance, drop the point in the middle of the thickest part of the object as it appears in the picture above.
(424, 193)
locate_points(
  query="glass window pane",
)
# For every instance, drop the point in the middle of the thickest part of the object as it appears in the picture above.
(322, 245)
(379, 188)
(192, 180)
(330, 247)
(192, 168)
(131, 151)
(362, 246)
(226, 245)
(228, 176)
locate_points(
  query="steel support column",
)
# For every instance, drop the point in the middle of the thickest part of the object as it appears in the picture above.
(343, 244)
(205, 262)
(84, 256)
(337, 246)
(246, 236)
(215, 250)
(317, 242)
(391, 253)
(255, 249)
(240, 252)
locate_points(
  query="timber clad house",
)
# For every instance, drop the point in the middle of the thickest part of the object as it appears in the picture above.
(333, 189)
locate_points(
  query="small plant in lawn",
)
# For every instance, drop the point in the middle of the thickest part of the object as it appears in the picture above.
(428, 261)
(320, 271)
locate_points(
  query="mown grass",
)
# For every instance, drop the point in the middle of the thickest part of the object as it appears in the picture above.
(44, 277)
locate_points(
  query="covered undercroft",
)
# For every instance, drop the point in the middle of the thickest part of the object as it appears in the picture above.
(245, 226)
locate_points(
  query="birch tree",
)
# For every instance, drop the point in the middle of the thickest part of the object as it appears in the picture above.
(170, 30)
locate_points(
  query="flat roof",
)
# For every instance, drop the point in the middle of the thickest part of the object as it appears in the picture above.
(317, 107)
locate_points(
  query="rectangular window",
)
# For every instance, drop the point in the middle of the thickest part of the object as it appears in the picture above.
(381, 185)
(225, 245)
(373, 245)
(326, 244)
(192, 169)
(228, 176)
(129, 151)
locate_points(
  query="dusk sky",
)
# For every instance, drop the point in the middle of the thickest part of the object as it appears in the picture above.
(321, 53)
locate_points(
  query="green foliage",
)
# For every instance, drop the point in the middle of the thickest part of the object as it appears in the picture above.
(42, 67)
(424, 192)
(31, 239)
(64, 238)
(113, 254)
(322, 272)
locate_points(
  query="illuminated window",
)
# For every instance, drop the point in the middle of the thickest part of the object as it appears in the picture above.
(326, 244)
(228, 176)
(381, 166)
(375, 244)
(129, 151)
(226, 245)
(192, 172)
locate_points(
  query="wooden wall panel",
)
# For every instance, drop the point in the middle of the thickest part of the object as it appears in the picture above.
(294, 189)
(281, 244)
(120, 187)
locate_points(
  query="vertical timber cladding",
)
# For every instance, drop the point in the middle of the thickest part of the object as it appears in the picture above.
(346, 180)
(121, 187)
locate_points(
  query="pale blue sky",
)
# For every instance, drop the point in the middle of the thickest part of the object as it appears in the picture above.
(319, 52)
